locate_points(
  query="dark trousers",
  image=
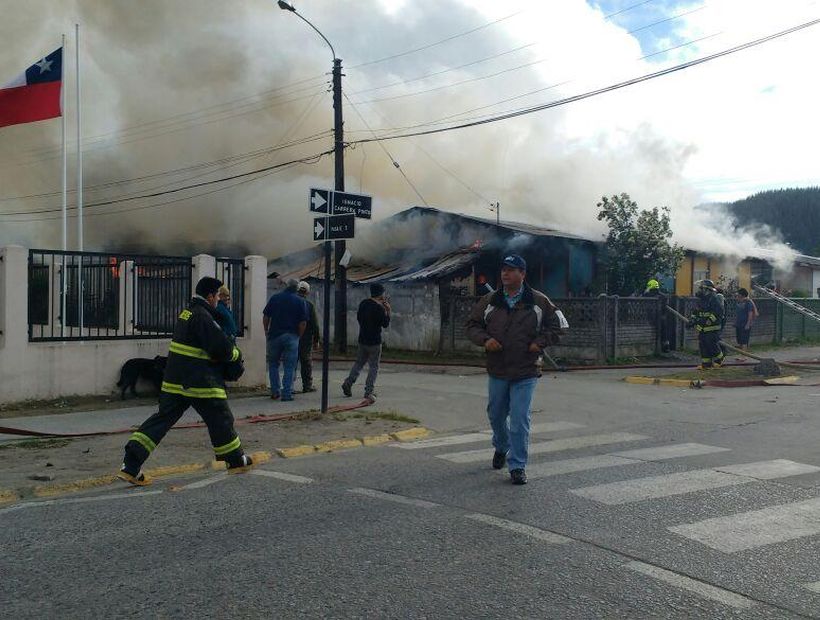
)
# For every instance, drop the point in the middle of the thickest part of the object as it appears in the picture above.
(305, 363)
(216, 414)
(710, 350)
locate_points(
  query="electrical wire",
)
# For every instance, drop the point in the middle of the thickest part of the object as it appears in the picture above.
(599, 91)
(386, 152)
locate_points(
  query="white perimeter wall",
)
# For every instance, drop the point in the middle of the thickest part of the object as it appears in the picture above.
(42, 370)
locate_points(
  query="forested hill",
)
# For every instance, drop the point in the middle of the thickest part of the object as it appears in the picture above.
(793, 212)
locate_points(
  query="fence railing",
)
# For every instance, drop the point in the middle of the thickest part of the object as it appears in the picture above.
(232, 273)
(102, 296)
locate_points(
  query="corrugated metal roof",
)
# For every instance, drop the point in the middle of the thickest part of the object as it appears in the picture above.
(443, 267)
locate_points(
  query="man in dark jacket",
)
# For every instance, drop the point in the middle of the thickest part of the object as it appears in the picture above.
(513, 324)
(309, 340)
(285, 320)
(198, 354)
(373, 316)
(708, 319)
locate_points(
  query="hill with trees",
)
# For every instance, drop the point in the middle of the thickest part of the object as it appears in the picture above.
(795, 213)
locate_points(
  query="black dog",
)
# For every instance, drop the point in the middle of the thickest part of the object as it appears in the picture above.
(141, 368)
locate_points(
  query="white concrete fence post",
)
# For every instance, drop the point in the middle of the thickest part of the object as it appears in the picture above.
(253, 344)
(204, 265)
(13, 312)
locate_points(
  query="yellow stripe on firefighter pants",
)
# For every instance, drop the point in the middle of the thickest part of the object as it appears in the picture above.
(188, 351)
(144, 440)
(228, 447)
(194, 392)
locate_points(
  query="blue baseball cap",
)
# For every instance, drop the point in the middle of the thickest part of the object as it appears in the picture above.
(514, 260)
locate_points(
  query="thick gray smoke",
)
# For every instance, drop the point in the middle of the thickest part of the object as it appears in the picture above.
(156, 76)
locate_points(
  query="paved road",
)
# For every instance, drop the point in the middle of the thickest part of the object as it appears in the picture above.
(644, 502)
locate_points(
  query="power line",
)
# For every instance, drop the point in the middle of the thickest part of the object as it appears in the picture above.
(629, 8)
(386, 152)
(668, 19)
(436, 43)
(103, 203)
(599, 91)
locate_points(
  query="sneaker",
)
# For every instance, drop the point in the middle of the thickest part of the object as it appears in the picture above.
(518, 476)
(287, 398)
(307, 389)
(346, 389)
(371, 396)
(138, 479)
(275, 396)
(499, 459)
(241, 466)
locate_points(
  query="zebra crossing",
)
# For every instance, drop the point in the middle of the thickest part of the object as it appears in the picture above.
(730, 533)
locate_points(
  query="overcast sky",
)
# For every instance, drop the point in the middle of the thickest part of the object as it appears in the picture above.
(182, 92)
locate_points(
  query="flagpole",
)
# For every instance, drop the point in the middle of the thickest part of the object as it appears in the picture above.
(65, 149)
(65, 185)
(79, 178)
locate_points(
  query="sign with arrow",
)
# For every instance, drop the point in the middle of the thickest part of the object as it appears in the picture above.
(319, 200)
(334, 227)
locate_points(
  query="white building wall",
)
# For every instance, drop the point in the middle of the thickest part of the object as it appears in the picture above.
(45, 370)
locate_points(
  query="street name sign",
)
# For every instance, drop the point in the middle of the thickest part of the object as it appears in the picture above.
(332, 202)
(334, 227)
(358, 205)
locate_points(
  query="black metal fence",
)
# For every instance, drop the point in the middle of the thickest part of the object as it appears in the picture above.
(101, 296)
(232, 273)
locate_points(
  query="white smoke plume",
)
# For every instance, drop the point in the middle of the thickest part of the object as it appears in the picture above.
(157, 75)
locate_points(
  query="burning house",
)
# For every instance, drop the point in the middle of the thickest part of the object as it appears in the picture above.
(427, 259)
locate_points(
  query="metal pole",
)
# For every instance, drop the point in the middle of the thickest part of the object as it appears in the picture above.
(79, 183)
(326, 326)
(65, 149)
(341, 246)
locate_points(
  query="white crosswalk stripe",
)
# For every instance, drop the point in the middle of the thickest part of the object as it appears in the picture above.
(452, 440)
(696, 587)
(668, 485)
(555, 445)
(520, 528)
(618, 459)
(757, 528)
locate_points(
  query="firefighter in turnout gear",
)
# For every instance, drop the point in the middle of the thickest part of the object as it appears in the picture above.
(707, 319)
(199, 358)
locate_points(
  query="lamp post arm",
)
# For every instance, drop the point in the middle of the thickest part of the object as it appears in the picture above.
(319, 32)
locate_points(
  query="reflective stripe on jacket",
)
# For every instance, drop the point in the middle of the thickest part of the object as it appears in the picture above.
(197, 353)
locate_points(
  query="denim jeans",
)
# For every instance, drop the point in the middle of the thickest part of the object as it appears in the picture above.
(511, 400)
(285, 349)
(370, 355)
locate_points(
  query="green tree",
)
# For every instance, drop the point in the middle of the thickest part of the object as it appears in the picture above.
(637, 246)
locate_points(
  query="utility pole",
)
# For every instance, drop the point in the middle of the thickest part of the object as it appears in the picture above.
(498, 213)
(341, 246)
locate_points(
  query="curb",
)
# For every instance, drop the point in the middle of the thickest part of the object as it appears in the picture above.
(726, 383)
(66, 488)
(8, 496)
(638, 380)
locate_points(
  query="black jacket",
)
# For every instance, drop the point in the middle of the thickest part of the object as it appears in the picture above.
(198, 353)
(372, 319)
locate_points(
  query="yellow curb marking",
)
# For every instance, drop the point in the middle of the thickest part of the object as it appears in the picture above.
(781, 380)
(72, 487)
(8, 496)
(170, 470)
(257, 457)
(289, 453)
(375, 440)
(640, 380)
(338, 444)
(409, 434)
(676, 382)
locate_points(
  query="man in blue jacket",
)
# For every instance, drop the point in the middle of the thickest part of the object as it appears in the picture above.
(285, 320)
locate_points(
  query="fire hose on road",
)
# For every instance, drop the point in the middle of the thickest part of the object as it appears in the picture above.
(726, 345)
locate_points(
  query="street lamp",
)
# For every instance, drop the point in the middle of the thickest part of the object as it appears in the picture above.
(341, 271)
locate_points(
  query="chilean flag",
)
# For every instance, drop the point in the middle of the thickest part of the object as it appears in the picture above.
(33, 95)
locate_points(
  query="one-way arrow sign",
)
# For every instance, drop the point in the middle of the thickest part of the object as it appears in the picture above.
(319, 200)
(333, 227)
(319, 229)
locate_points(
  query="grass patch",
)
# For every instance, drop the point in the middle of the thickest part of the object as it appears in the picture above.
(390, 416)
(37, 444)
